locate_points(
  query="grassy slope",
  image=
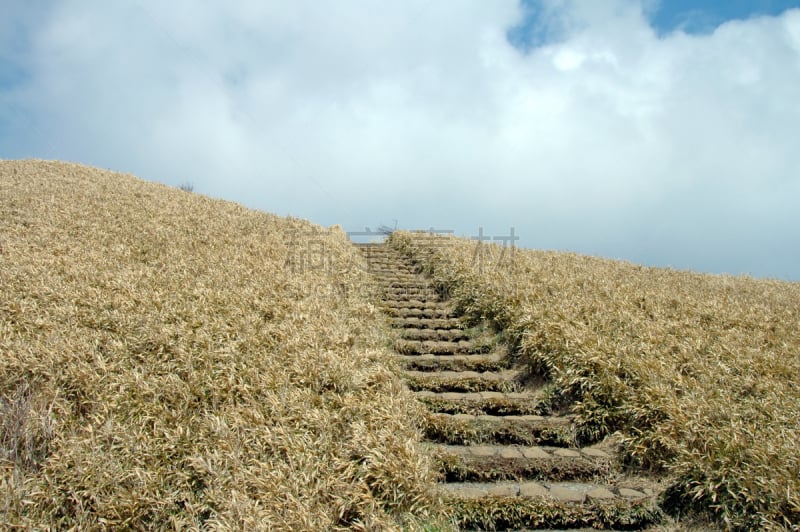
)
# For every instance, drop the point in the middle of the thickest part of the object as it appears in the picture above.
(170, 360)
(699, 373)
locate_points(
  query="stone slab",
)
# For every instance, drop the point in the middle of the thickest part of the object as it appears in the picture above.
(532, 489)
(567, 495)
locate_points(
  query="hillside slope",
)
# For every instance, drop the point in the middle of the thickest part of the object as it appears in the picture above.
(696, 374)
(168, 360)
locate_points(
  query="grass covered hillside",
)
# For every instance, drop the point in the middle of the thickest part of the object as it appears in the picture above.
(172, 361)
(698, 374)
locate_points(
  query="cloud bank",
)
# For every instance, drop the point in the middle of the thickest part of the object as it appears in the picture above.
(598, 135)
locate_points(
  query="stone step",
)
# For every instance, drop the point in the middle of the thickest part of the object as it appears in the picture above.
(394, 308)
(463, 381)
(409, 294)
(549, 505)
(413, 303)
(383, 272)
(381, 253)
(386, 279)
(428, 323)
(425, 297)
(467, 429)
(392, 263)
(415, 282)
(425, 347)
(418, 312)
(388, 262)
(390, 269)
(491, 463)
(435, 335)
(491, 403)
(391, 286)
(481, 363)
(572, 492)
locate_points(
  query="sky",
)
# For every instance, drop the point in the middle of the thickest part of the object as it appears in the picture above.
(659, 132)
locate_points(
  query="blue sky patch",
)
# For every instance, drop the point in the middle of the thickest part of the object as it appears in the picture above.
(533, 31)
(540, 26)
(11, 75)
(704, 16)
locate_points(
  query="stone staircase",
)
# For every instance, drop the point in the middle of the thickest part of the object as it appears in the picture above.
(507, 461)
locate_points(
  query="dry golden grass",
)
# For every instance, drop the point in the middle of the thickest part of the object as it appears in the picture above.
(172, 361)
(698, 373)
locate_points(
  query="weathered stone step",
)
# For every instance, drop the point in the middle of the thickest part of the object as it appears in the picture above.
(467, 429)
(425, 347)
(413, 303)
(385, 278)
(435, 335)
(428, 323)
(463, 381)
(387, 284)
(477, 403)
(406, 295)
(573, 492)
(387, 260)
(392, 286)
(482, 363)
(551, 505)
(425, 297)
(390, 266)
(389, 270)
(415, 282)
(418, 312)
(382, 253)
(491, 463)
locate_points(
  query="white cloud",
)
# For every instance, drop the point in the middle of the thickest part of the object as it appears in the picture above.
(608, 139)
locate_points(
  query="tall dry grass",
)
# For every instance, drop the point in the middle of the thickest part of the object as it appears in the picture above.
(172, 361)
(698, 373)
